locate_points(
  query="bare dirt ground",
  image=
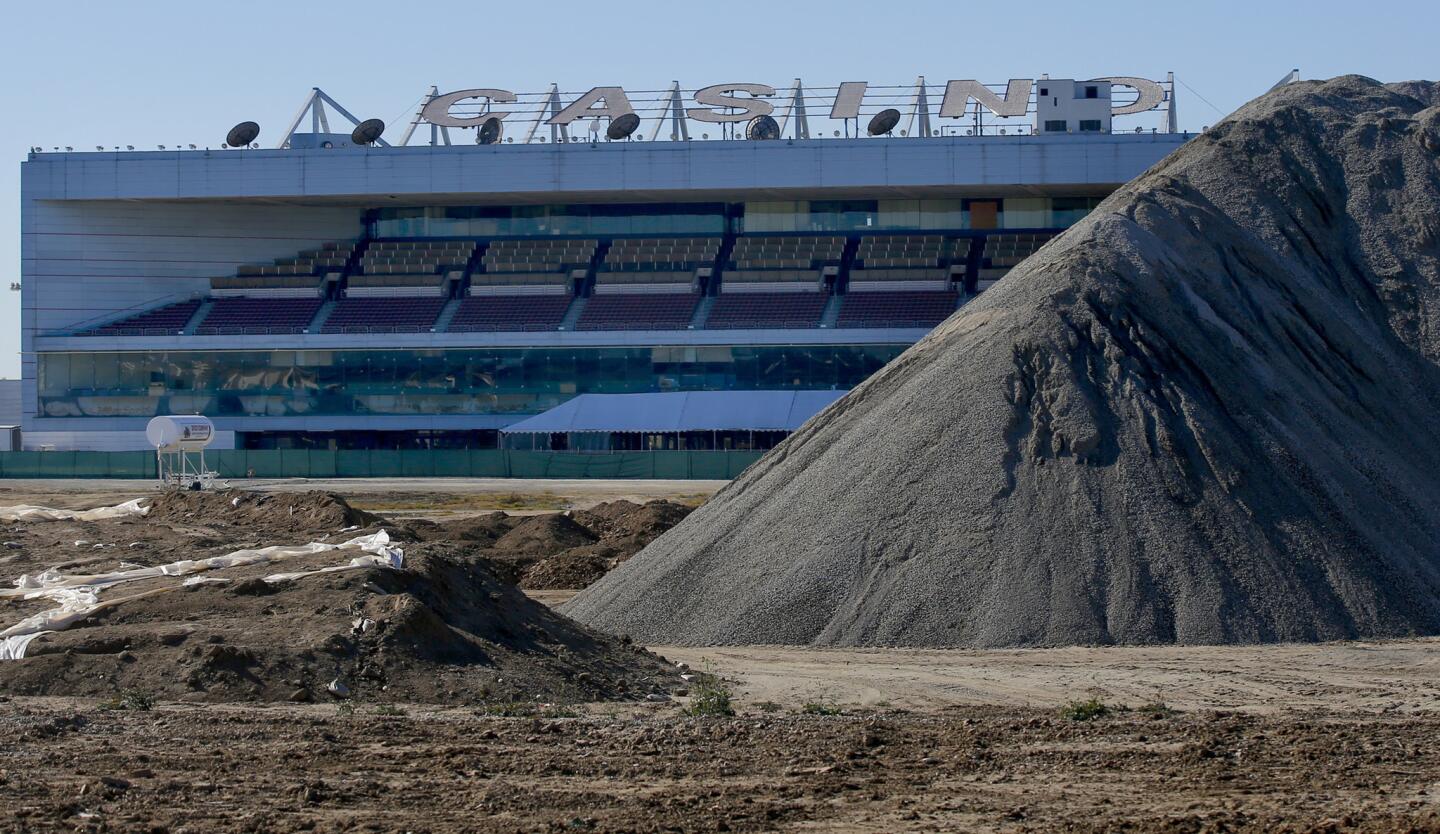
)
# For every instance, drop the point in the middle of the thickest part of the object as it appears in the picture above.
(1327, 738)
(435, 498)
(69, 766)
(1389, 677)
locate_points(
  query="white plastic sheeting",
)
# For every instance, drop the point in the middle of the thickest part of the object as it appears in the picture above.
(79, 595)
(27, 512)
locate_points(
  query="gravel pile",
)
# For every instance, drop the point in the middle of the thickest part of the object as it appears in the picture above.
(1209, 413)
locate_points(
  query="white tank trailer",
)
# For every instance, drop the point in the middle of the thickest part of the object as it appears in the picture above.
(180, 442)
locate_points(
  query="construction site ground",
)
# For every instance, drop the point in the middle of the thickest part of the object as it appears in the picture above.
(1312, 738)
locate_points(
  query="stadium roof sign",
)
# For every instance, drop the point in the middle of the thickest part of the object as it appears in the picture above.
(981, 108)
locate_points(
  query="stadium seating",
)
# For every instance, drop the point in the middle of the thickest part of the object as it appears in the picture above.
(777, 309)
(509, 313)
(903, 261)
(299, 277)
(162, 321)
(528, 264)
(332, 257)
(383, 315)
(758, 263)
(1004, 252)
(231, 316)
(415, 257)
(266, 286)
(662, 262)
(638, 311)
(770, 281)
(390, 286)
(896, 309)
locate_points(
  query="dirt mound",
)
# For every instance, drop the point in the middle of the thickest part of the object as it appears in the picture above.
(578, 568)
(442, 629)
(300, 512)
(1208, 413)
(620, 530)
(485, 529)
(559, 550)
(623, 524)
(544, 534)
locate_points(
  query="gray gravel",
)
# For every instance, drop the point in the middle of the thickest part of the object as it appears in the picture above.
(1206, 414)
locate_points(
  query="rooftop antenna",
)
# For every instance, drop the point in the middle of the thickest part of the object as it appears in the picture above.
(883, 122)
(622, 126)
(241, 135)
(367, 132)
(761, 128)
(490, 132)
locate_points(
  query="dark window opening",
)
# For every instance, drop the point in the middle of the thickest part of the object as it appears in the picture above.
(1055, 126)
(1089, 125)
(391, 440)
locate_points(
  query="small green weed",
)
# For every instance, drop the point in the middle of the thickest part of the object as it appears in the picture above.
(709, 697)
(1084, 710)
(1157, 710)
(389, 709)
(817, 708)
(509, 709)
(522, 709)
(130, 699)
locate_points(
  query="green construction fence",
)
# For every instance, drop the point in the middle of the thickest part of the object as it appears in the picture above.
(383, 463)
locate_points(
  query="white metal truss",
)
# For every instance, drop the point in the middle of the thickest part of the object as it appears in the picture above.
(919, 111)
(795, 107)
(419, 114)
(674, 112)
(549, 110)
(319, 119)
(1172, 118)
(1290, 78)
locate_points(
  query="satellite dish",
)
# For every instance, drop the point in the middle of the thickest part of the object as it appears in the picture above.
(490, 131)
(884, 121)
(622, 126)
(762, 127)
(367, 132)
(242, 134)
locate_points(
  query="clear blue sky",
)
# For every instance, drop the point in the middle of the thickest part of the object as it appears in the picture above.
(148, 72)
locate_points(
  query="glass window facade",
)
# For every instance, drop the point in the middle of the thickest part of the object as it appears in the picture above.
(288, 383)
(714, 218)
(598, 220)
(1067, 211)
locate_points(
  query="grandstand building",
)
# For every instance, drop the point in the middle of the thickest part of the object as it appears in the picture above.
(324, 293)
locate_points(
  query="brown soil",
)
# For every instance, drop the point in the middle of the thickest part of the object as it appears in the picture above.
(305, 512)
(72, 767)
(566, 550)
(445, 628)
